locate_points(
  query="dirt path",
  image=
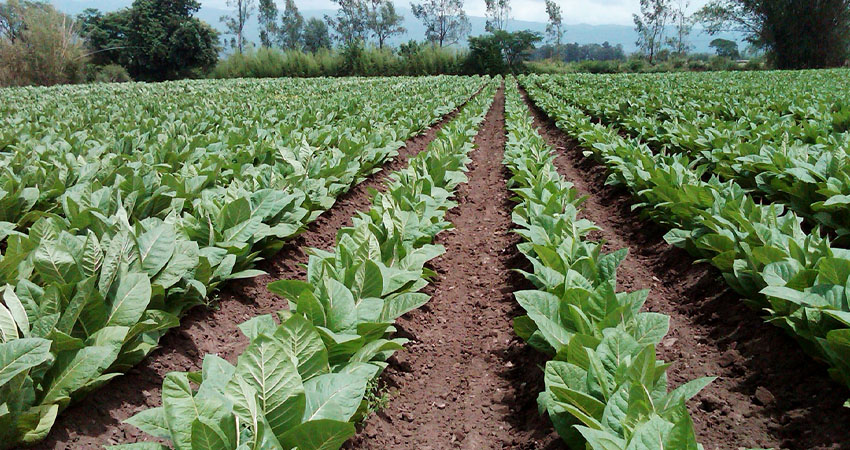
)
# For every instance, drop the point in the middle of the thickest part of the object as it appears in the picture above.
(97, 420)
(769, 394)
(465, 380)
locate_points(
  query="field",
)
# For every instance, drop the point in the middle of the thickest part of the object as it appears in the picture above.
(559, 261)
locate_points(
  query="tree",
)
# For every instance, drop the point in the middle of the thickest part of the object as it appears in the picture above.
(38, 45)
(554, 26)
(235, 23)
(316, 35)
(267, 16)
(384, 21)
(445, 21)
(725, 48)
(650, 25)
(498, 12)
(352, 21)
(796, 33)
(164, 41)
(105, 34)
(501, 51)
(682, 26)
(292, 27)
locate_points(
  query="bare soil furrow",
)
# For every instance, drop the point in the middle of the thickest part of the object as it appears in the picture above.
(98, 419)
(465, 380)
(769, 393)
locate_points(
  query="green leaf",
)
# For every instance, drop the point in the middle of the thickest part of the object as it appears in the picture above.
(318, 435)
(151, 421)
(156, 247)
(268, 367)
(305, 344)
(21, 355)
(333, 396)
(73, 370)
(131, 300)
(208, 436)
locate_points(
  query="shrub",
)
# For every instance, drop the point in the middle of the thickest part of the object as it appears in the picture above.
(112, 73)
(43, 48)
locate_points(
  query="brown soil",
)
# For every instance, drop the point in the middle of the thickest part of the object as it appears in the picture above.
(466, 380)
(769, 393)
(98, 419)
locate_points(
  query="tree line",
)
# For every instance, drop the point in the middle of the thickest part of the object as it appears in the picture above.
(162, 39)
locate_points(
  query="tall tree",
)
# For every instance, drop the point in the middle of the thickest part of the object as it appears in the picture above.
(105, 34)
(292, 27)
(267, 16)
(682, 27)
(650, 26)
(554, 28)
(498, 12)
(796, 33)
(164, 41)
(445, 21)
(235, 23)
(725, 48)
(351, 23)
(316, 35)
(384, 21)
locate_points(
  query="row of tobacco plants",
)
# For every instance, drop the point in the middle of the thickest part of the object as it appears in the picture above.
(301, 382)
(605, 387)
(119, 211)
(795, 277)
(781, 135)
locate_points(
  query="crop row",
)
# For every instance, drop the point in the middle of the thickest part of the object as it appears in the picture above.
(604, 385)
(797, 279)
(301, 383)
(802, 163)
(124, 226)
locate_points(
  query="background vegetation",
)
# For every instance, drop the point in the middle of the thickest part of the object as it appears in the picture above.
(155, 40)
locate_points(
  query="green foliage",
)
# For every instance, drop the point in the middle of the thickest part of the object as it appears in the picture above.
(501, 52)
(293, 35)
(112, 73)
(153, 39)
(411, 59)
(109, 234)
(605, 389)
(699, 181)
(38, 45)
(798, 34)
(303, 383)
(725, 48)
(316, 36)
(267, 18)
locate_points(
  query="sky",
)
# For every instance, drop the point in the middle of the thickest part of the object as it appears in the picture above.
(593, 12)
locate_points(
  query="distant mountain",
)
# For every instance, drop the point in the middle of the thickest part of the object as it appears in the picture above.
(578, 33)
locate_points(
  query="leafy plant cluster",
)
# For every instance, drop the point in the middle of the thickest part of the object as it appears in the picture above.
(301, 383)
(117, 217)
(605, 388)
(781, 135)
(796, 278)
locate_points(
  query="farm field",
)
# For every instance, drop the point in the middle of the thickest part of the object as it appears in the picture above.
(558, 261)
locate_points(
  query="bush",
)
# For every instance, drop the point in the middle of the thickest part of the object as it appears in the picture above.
(44, 48)
(112, 73)
(411, 59)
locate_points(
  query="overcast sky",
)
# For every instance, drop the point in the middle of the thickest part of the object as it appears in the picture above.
(593, 12)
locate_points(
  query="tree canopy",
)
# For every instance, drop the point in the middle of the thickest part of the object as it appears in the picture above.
(797, 34)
